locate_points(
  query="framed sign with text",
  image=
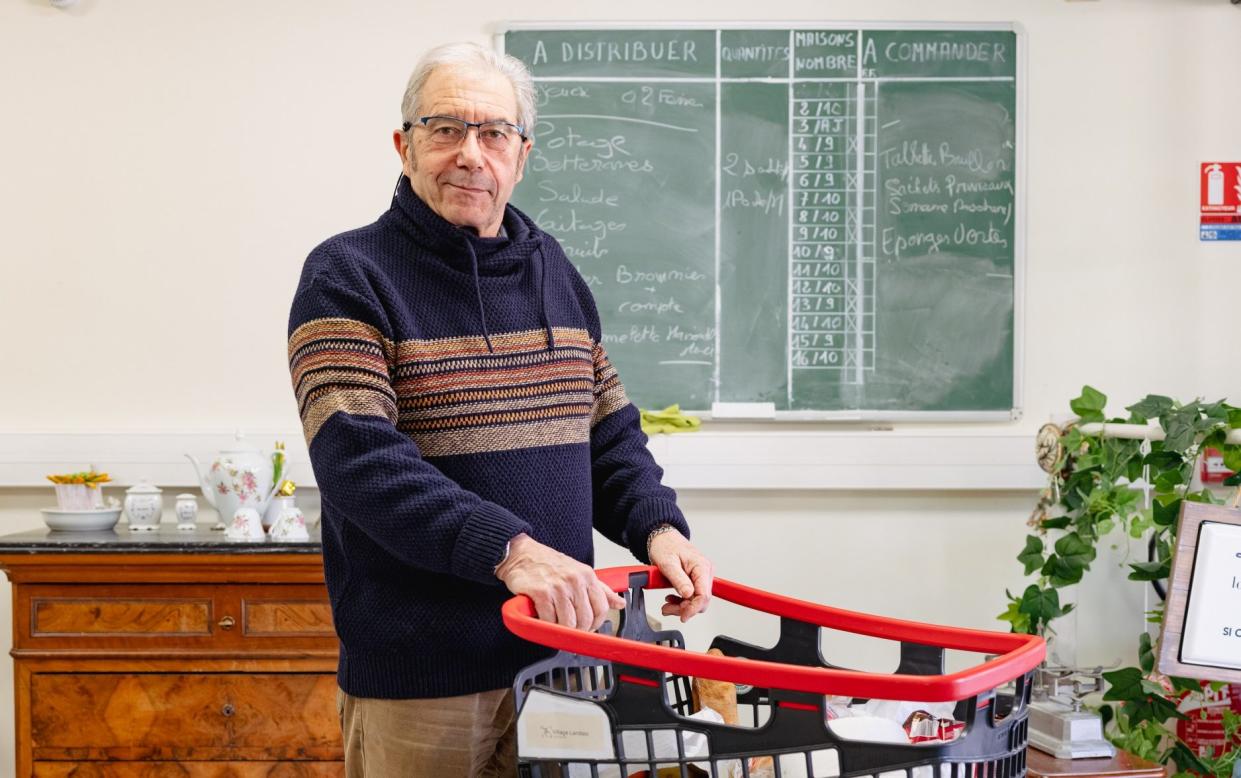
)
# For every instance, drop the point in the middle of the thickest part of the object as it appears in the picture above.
(1201, 636)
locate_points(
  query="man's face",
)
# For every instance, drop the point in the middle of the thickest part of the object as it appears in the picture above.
(468, 184)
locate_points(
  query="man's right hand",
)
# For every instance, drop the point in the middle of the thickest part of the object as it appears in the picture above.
(563, 590)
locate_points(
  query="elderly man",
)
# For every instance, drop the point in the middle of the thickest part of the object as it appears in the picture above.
(466, 430)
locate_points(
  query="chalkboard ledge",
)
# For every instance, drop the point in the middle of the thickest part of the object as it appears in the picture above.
(713, 459)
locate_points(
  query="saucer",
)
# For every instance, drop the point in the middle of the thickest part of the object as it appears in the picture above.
(80, 520)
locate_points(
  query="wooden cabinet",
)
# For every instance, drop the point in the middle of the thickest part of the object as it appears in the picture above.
(203, 664)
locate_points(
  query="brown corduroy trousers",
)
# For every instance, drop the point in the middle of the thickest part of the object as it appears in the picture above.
(472, 736)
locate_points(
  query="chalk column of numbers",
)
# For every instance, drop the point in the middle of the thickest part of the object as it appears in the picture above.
(861, 286)
(824, 265)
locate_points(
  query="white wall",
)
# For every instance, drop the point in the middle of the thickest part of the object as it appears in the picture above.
(166, 166)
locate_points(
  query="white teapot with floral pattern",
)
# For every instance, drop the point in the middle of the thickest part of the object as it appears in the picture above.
(240, 477)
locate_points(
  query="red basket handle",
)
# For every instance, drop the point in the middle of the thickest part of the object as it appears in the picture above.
(1018, 653)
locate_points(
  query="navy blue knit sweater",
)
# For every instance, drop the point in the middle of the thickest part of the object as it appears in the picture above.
(454, 393)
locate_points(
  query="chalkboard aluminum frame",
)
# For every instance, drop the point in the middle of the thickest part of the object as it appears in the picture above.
(1019, 194)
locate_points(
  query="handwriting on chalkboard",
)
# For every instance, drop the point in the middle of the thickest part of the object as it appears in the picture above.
(816, 218)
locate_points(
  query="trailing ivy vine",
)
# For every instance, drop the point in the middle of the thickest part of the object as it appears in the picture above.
(1091, 493)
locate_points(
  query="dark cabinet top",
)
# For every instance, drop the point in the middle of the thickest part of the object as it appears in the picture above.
(166, 540)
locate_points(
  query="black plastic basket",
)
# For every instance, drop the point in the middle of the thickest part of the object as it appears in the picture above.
(640, 680)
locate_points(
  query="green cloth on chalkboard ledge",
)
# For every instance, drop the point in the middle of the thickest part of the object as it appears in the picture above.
(670, 419)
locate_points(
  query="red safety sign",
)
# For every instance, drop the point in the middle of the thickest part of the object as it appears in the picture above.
(1220, 215)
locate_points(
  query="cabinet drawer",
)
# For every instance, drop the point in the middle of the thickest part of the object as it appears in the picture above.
(279, 614)
(120, 616)
(189, 769)
(137, 618)
(221, 716)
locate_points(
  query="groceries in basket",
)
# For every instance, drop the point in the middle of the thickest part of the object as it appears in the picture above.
(639, 704)
(884, 721)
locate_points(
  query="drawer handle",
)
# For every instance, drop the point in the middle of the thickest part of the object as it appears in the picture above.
(228, 709)
(227, 622)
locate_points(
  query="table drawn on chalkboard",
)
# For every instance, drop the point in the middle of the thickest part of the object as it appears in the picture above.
(814, 219)
(832, 269)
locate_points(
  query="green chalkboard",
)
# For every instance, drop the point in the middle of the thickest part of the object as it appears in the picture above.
(825, 219)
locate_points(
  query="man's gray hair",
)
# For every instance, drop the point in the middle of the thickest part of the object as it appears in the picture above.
(475, 56)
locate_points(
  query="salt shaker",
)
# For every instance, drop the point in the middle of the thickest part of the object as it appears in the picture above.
(187, 512)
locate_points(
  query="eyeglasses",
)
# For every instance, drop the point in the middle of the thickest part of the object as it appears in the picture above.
(449, 131)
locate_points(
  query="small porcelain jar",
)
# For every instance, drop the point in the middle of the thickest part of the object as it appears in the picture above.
(187, 512)
(144, 506)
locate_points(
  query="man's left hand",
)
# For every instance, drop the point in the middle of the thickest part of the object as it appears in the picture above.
(689, 572)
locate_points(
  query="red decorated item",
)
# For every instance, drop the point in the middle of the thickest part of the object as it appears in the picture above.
(1203, 731)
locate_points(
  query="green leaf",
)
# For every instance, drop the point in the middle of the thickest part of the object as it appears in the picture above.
(1216, 411)
(1032, 555)
(1124, 500)
(1162, 460)
(1076, 487)
(1140, 523)
(1180, 431)
(1214, 439)
(1059, 522)
(1117, 454)
(1233, 480)
(1089, 406)
(1088, 461)
(1187, 759)
(1073, 440)
(1165, 512)
(1146, 655)
(1150, 571)
(1124, 684)
(1234, 418)
(1152, 406)
(1075, 550)
(1153, 708)
(1232, 457)
(1072, 558)
(1062, 572)
(1185, 684)
(1042, 605)
(1204, 496)
(1168, 480)
(1018, 621)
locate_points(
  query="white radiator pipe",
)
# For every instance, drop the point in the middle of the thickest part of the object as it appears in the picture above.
(1140, 431)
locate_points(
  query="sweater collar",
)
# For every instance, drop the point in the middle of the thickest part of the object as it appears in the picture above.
(466, 252)
(458, 247)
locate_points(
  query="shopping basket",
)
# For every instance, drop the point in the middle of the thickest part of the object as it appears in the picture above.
(619, 705)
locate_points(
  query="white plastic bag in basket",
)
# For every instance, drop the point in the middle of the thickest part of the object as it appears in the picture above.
(664, 743)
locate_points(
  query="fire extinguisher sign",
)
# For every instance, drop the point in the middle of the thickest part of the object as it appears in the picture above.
(1220, 217)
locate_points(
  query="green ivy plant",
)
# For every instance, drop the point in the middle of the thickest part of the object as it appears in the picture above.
(1090, 495)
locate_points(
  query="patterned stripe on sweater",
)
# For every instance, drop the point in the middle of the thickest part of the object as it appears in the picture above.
(451, 395)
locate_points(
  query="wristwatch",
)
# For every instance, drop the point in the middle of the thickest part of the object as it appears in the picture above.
(507, 548)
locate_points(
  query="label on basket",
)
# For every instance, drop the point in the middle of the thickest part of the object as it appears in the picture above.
(553, 726)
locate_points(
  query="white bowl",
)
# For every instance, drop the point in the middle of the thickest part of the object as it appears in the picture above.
(94, 519)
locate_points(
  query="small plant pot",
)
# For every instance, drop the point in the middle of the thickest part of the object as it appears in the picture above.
(78, 497)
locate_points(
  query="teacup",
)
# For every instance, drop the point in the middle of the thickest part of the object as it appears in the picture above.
(246, 525)
(290, 525)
